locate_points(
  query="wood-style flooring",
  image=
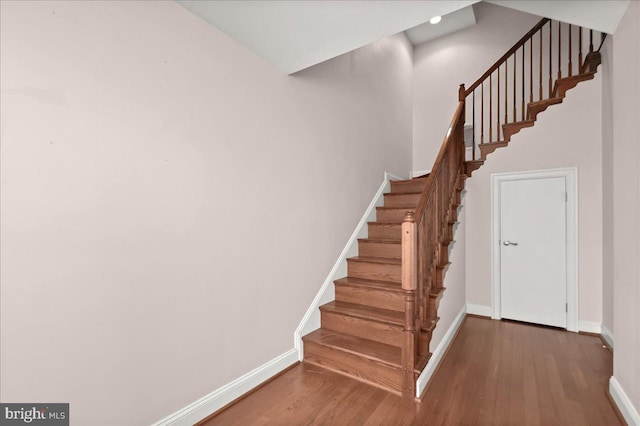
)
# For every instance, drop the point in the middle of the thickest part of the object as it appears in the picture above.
(495, 373)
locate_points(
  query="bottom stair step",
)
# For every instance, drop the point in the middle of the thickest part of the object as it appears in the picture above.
(371, 362)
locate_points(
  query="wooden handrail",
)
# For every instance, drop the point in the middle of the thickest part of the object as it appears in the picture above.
(422, 203)
(504, 57)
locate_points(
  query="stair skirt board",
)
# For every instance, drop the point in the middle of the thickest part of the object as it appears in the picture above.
(623, 402)
(311, 320)
(439, 352)
(228, 393)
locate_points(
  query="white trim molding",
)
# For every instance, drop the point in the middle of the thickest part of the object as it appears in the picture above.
(607, 335)
(590, 327)
(484, 311)
(311, 319)
(570, 174)
(620, 397)
(438, 353)
(217, 399)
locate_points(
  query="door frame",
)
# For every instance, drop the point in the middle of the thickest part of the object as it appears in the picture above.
(570, 174)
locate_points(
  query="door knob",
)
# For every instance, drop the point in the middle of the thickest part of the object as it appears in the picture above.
(509, 243)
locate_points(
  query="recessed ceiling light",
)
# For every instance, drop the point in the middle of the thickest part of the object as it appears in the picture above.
(435, 20)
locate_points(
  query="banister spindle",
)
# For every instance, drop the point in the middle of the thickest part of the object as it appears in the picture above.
(531, 69)
(506, 92)
(522, 82)
(473, 124)
(498, 102)
(490, 110)
(540, 65)
(590, 41)
(579, 48)
(570, 54)
(482, 113)
(559, 50)
(514, 87)
(550, 59)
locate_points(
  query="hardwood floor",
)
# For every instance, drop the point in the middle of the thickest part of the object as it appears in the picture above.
(496, 373)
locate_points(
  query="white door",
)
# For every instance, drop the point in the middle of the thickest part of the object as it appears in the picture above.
(533, 250)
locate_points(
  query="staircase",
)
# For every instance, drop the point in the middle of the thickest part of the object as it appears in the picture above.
(379, 327)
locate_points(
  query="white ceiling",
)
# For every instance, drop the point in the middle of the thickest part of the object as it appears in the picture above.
(294, 35)
(451, 22)
(598, 15)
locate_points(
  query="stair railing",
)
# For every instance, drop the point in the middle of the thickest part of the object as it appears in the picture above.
(424, 232)
(427, 232)
(524, 75)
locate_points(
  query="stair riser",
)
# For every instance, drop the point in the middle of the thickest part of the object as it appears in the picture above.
(351, 365)
(433, 305)
(392, 216)
(385, 232)
(565, 84)
(423, 341)
(371, 249)
(472, 166)
(374, 271)
(444, 254)
(401, 200)
(360, 327)
(374, 297)
(511, 129)
(403, 188)
(488, 148)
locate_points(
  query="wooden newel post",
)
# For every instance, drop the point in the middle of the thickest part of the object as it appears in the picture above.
(409, 285)
(462, 93)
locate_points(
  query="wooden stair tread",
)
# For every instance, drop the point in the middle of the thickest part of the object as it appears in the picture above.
(496, 143)
(401, 194)
(384, 223)
(524, 123)
(564, 84)
(437, 292)
(421, 363)
(430, 324)
(377, 351)
(361, 282)
(364, 312)
(579, 77)
(396, 208)
(411, 180)
(549, 101)
(379, 241)
(384, 260)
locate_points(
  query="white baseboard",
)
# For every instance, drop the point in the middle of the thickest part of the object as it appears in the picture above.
(620, 397)
(217, 399)
(311, 319)
(481, 310)
(416, 173)
(590, 327)
(607, 335)
(437, 355)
